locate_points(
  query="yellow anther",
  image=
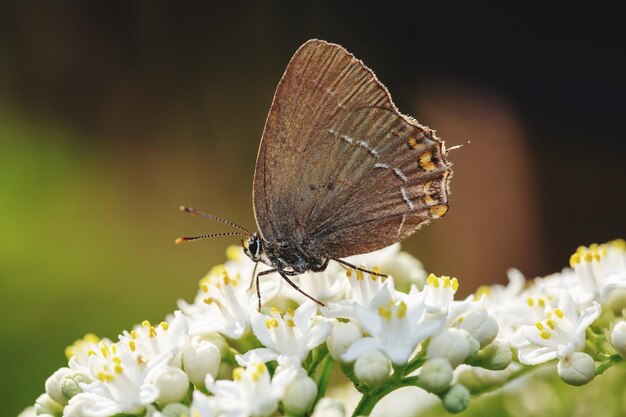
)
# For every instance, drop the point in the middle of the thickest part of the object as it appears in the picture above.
(145, 323)
(118, 369)
(545, 335)
(233, 252)
(446, 281)
(349, 273)
(204, 288)
(270, 323)
(91, 352)
(430, 279)
(225, 278)
(105, 376)
(384, 312)
(117, 360)
(574, 259)
(290, 312)
(105, 351)
(483, 289)
(237, 374)
(559, 313)
(541, 302)
(209, 300)
(258, 372)
(132, 345)
(152, 332)
(290, 323)
(91, 338)
(454, 284)
(133, 334)
(539, 326)
(373, 276)
(551, 324)
(619, 244)
(165, 325)
(435, 282)
(359, 275)
(114, 348)
(530, 301)
(402, 309)
(275, 310)
(216, 270)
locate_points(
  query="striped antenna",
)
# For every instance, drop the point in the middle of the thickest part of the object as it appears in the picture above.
(186, 239)
(195, 212)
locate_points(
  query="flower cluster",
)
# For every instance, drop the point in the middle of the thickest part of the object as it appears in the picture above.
(219, 356)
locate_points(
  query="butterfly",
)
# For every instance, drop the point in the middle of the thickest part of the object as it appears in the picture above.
(340, 171)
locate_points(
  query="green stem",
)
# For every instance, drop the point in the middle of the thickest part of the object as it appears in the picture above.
(324, 378)
(371, 398)
(318, 356)
(614, 359)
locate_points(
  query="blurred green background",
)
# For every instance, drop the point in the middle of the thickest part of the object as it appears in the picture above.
(112, 114)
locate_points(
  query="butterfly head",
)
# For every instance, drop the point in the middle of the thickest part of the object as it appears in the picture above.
(252, 247)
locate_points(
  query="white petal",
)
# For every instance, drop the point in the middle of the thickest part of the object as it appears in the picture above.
(360, 347)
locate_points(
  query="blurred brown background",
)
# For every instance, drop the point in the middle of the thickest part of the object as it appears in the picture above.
(114, 113)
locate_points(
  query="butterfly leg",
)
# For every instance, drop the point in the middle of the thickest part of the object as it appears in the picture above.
(256, 281)
(290, 282)
(349, 265)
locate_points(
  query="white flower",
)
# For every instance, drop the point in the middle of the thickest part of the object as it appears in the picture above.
(362, 288)
(122, 384)
(373, 368)
(450, 344)
(172, 384)
(618, 337)
(577, 369)
(201, 358)
(300, 394)
(341, 338)
(252, 392)
(164, 342)
(53, 385)
(326, 286)
(601, 268)
(436, 375)
(507, 305)
(82, 349)
(439, 293)
(201, 405)
(396, 324)
(329, 407)
(294, 333)
(224, 302)
(46, 405)
(559, 335)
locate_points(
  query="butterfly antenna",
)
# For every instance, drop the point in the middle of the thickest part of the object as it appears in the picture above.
(456, 147)
(195, 212)
(186, 239)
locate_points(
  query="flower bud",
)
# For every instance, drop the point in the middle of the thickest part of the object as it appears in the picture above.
(30, 412)
(300, 395)
(218, 340)
(53, 386)
(496, 356)
(341, 338)
(577, 369)
(450, 344)
(373, 368)
(175, 410)
(199, 360)
(329, 407)
(618, 338)
(46, 405)
(436, 375)
(480, 326)
(456, 399)
(70, 384)
(172, 384)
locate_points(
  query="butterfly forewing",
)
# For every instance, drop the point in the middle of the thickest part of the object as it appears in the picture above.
(340, 171)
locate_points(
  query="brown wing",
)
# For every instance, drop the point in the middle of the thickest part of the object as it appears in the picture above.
(340, 171)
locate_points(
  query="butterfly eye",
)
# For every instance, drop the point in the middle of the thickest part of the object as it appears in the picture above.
(254, 247)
